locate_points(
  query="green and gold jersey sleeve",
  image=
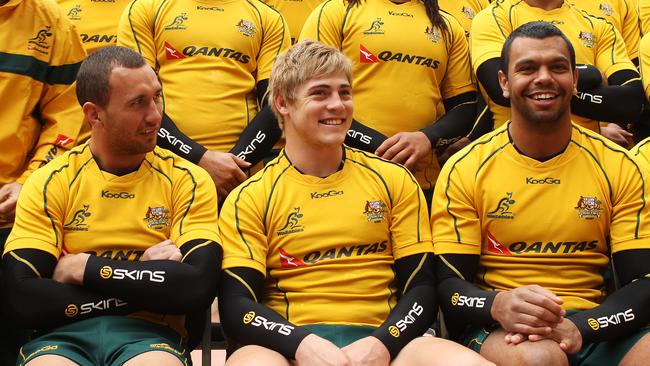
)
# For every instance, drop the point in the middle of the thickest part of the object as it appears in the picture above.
(464, 11)
(325, 22)
(96, 21)
(458, 77)
(295, 13)
(135, 29)
(277, 38)
(643, 12)
(644, 64)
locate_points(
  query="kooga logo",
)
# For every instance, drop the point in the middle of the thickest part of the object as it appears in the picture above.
(332, 193)
(531, 180)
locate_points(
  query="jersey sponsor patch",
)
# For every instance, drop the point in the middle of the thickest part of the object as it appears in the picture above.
(41, 41)
(78, 220)
(375, 211)
(157, 218)
(178, 22)
(171, 53)
(62, 140)
(375, 27)
(587, 39)
(503, 211)
(365, 56)
(589, 208)
(494, 246)
(73, 14)
(289, 261)
(246, 28)
(432, 34)
(292, 225)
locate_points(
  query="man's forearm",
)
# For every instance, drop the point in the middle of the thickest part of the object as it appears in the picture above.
(173, 139)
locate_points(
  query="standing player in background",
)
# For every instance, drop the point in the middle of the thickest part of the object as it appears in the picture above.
(600, 50)
(115, 241)
(526, 220)
(40, 53)
(464, 11)
(214, 79)
(328, 243)
(295, 13)
(402, 85)
(96, 20)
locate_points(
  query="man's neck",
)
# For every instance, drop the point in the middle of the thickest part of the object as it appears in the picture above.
(545, 4)
(540, 142)
(311, 160)
(113, 163)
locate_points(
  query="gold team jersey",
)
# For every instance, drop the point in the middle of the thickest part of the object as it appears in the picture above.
(596, 41)
(209, 56)
(40, 53)
(552, 223)
(399, 81)
(643, 11)
(295, 12)
(96, 20)
(622, 14)
(322, 242)
(71, 205)
(644, 64)
(463, 10)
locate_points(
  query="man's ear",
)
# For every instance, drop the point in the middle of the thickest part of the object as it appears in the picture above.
(281, 105)
(575, 81)
(91, 113)
(503, 82)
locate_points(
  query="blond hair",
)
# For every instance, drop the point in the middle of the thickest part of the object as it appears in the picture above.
(304, 61)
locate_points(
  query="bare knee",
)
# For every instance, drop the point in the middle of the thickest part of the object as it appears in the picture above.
(437, 351)
(159, 358)
(639, 354)
(540, 353)
(256, 355)
(49, 360)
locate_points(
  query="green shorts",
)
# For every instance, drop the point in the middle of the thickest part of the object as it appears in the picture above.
(105, 340)
(591, 354)
(340, 335)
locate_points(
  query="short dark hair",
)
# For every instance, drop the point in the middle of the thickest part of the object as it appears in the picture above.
(535, 30)
(95, 71)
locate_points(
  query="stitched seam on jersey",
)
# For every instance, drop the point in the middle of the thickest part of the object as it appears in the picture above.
(159, 171)
(76, 175)
(452, 169)
(286, 298)
(26, 262)
(205, 243)
(638, 147)
(241, 234)
(155, 19)
(490, 157)
(345, 20)
(38, 70)
(189, 205)
(320, 12)
(135, 36)
(450, 266)
(248, 287)
(268, 201)
(417, 269)
(638, 169)
(259, 16)
(284, 27)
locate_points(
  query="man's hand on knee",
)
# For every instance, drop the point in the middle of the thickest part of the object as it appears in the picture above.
(314, 350)
(70, 269)
(565, 333)
(368, 351)
(529, 310)
(165, 250)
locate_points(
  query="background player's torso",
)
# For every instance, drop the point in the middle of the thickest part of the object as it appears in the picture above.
(96, 20)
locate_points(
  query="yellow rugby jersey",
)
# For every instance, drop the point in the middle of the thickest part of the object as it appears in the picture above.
(643, 11)
(71, 205)
(40, 53)
(326, 241)
(399, 81)
(463, 10)
(209, 57)
(551, 223)
(295, 12)
(641, 154)
(96, 20)
(622, 14)
(596, 42)
(644, 64)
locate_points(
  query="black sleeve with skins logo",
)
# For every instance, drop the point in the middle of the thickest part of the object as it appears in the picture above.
(589, 77)
(626, 309)
(456, 123)
(462, 302)
(171, 138)
(364, 138)
(162, 286)
(416, 307)
(245, 320)
(36, 301)
(620, 102)
(259, 137)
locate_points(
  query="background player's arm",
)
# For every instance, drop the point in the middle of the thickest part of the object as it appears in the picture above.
(241, 313)
(39, 302)
(456, 123)
(417, 295)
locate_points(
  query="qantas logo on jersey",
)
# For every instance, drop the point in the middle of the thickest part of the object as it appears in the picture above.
(375, 27)
(502, 211)
(178, 22)
(606, 9)
(565, 247)
(289, 261)
(171, 53)
(292, 225)
(217, 52)
(365, 56)
(98, 38)
(345, 251)
(246, 28)
(120, 255)
(62, 140)
(494, 246)
(73, 14)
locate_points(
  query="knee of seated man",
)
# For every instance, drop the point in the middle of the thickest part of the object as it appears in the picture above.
(540, 353)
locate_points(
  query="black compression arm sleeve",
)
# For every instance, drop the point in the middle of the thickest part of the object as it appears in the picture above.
(247, 321)
(416, 307)
(162, 286)
(624, 311)
(462, 302)
(456, 123)
(488, 75)
(38, 302)
(363, 137)
(621, 101)
(258, 137)
(589, 77)
(171, 138)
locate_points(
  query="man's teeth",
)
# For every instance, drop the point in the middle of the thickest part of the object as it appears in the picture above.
(332, 121)
(543, 96)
